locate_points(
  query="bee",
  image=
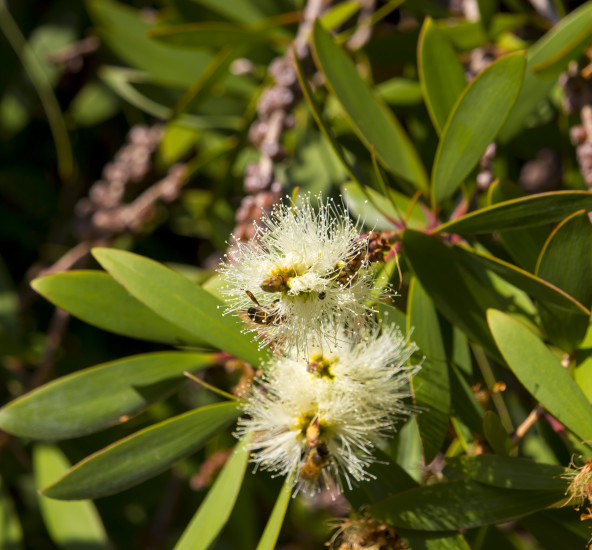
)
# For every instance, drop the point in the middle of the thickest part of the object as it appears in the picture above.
(315, 460)
(348, 271)
(261, 315)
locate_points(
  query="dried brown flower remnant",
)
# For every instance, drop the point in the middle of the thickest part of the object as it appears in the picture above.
(365, 534)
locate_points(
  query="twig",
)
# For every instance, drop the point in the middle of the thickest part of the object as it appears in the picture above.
(527, 424)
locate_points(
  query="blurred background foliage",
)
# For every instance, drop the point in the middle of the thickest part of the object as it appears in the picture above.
(146, 126)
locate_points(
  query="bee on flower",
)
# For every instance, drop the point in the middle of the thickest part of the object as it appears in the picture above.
(304, 272)
(321, 418)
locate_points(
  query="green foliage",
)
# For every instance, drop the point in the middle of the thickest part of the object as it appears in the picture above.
(491, 265)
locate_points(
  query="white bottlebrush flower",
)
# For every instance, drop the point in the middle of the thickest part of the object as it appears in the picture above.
(304, 272)
(322, 418)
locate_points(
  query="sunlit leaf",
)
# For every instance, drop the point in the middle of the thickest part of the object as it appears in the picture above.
(95, 398)
(541, 373)
(179, 301)
(215, 510)
(474, 122)
(274, 523)
(531, 211)
(570, 244)
(370, 118)
(98, 299)
(536, 287)
(70, 524)
(142, 455)
(441, 75)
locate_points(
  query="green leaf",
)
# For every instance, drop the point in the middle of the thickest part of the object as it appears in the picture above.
(510, 472)
(388, 478)
(179, 301)
(316, 113)
(241, 11)
(93, 104)
(431, 385)
(339, 14)
(218, 504)
(461, 294)
(124, 30)
(560, 528)
(378, 213)
(531, 211)
(496, 435)
(142, 455)
(274, 523)
(11, 534)
(425, 540)
(98, 299)
(474, 123)
(535, 286)
(124, 81)
(459, 505)
(541, 373)
(552, 53)
(441, 74)
(371, 119)
(570, 244)
(95, 398)
(563, 43)
(70, 524)
(464, 403)
(193, 36)
(524, 245)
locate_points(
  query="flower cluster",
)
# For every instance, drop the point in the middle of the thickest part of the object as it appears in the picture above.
(338, 381)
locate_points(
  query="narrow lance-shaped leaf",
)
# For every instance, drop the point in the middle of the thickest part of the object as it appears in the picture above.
(371, 119)
(510, 472)
(431, 385)
(474, 123)
(426, 540)
(441, 75)
(95, 398)
(68, 523)
(532, 211)
(199, 36)
(215, 510)
(142, 455)
(124, 30)
(524, 245)
(541, 373)
(274, 523)
(460, 505)
(496, 435)
(179, 301)
(98, 299)
(316, 113)
(535, 286)
(461, 294)
(551, 54)
(570, 244)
